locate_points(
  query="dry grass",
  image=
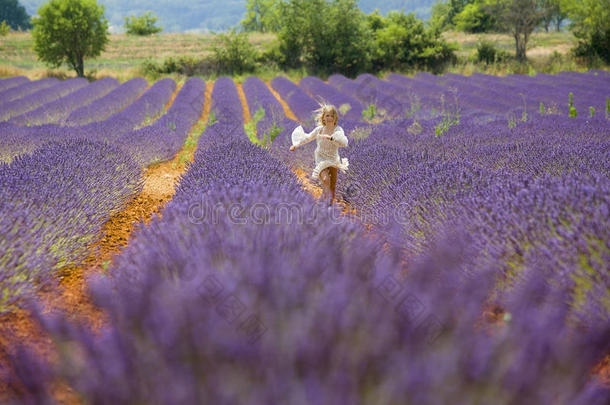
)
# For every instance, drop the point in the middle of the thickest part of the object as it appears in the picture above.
(124, 55)
(122, 58)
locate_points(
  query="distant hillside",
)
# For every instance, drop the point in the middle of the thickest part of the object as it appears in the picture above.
(214, 15)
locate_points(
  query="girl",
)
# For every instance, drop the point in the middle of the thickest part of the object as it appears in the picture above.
(330, 138)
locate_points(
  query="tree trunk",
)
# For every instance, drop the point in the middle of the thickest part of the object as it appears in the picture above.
(517, 47)
(520, 44)
(80, 68)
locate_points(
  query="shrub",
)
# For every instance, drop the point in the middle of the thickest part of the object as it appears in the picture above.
(233, 54)
(143, 25)
(488, 53)
(4, 29)
(184, 65)
(405, 43)
(474, 18)
(325, 37)
(591, 26)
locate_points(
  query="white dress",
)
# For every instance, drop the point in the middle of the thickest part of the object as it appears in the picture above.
(326, 154)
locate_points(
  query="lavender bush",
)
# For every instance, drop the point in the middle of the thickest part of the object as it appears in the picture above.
(54, 203)
(164, 138)
(11, 82)
(25, 104)
(57, 111)
(108, 105)
(24, 89)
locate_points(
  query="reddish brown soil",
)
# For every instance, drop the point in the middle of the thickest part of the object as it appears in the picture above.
(244, 103)
(71, 294)
(602, 371)
(284, 104)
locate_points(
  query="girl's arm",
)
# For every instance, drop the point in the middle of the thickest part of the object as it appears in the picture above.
(308, 137)
(339, 138)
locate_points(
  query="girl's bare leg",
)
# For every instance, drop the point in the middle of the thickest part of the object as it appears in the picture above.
(325, 180)
(333, 183)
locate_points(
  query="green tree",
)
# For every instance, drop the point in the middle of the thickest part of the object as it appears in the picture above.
(68, 31)
(559, 15)
(456, 7)
(439, 16)
(15, 15)
(375, 20)
(474, 18)
(261, 16)
(552, 14)
(404, 42)
(591, 26)
(519, 18)
(325, 36)
(142, 25)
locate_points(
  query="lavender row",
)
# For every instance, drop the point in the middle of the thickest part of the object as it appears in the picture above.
(425, 98)
(25, 89)
(389, 104)
(110, 104)
(349, 107)
(14, 109)
(58, 110)
(147, 107)
(16, 140)
(54, 203)
(164, 138)
(274, 121)
(226, 106)
(297, 99)
(547, 89)
(258, 96)
(11, 82)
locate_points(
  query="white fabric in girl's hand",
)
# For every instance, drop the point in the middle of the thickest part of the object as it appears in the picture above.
(298, 135)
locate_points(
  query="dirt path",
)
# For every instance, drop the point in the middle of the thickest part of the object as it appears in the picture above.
(287, 110)
(71, 295)
(244, 103)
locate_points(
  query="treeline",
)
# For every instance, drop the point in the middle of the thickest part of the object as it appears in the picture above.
(589, 20)
(323, 37)
(14, 16)
(328, 36)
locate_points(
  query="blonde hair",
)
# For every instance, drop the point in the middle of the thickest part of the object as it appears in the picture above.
(325, 108)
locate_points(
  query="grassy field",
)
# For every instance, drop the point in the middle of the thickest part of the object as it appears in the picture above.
(540, 44)
(124, 55)
(122, 58)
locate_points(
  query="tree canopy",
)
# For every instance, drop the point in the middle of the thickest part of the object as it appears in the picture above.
(15, 15)
(68, 31)
(591, 25)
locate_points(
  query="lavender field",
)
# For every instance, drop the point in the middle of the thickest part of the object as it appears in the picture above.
(467, 262)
